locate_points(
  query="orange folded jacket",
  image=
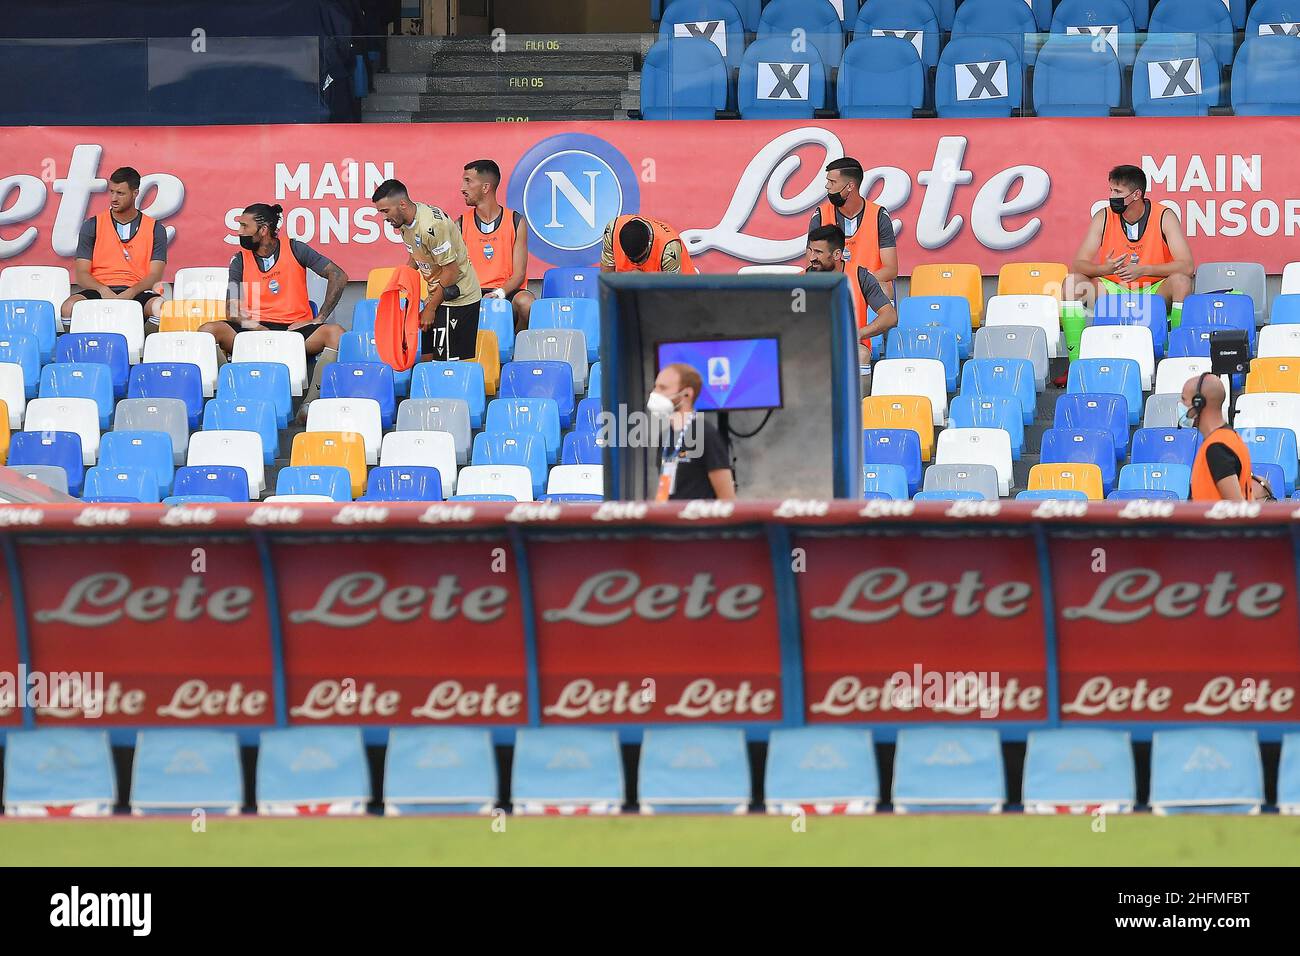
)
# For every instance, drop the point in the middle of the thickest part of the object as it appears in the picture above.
(397, 320)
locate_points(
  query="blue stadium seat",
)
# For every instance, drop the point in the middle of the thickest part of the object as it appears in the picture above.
(1285, 310)
(258, 381)
(404, 483)
(1275, 446)
(1206, 770)
(68, 768)
(1209, 20)
(951, 312)
(513, 448)
(1234, 311)
(979, 76)
(1079, 770)
(61, 449)
(1177, 76)
(463, 380)
(780, 81)
(498, 316)
(818, 20)
(1176, 446)
(572, 497)
(594, 382)
(948, 769)
(894, 446)
(912, 20)
(575, 768)
(141, 450)
(1011, 20)
(1273, 473)
(1156, 476)
(587, 417)
(1147, 311)
(362, 380)
(926, 343)
(110, 500)
(322, 767)
(880, 77)
(176, 771)
(251, 415)
(539, 415)
(945, 12)
(360, 347)
(1052, 494)
(580, 314)
(480, 498)
(1272, 18)
(1071, 78)
(1263, 77)
(1112, 19)
(542, 380)
(80, 380)
(23, 350)
(683, 78)
(580, 448)
(181, 380)
(104, 348)
(1107, 412)
(694, 770)
(714, 20)
(1013, 378)
(30, 317)
(173, 500)
(823, 770)
(1190, 341)
(332, 480)
(888, 479)
(1083, 446)
(1115, 376)
(432, 771)
(570, 282)
(1144, 494)
(229, 481)
(990, 411)
(128, 481)
(363, 316)
(950, 494)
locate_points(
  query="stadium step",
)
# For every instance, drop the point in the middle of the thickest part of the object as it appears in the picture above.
(489, 116)
(505, 105)
(579, 54)
(538, 85)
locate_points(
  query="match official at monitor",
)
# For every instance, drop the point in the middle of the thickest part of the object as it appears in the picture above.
(695, 461)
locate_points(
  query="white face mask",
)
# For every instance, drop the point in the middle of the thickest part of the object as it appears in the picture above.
(659, 405)
(1185, 419)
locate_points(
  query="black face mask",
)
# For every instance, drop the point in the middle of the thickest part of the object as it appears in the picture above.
(248, 242)
(837, 199)
(1117, 206)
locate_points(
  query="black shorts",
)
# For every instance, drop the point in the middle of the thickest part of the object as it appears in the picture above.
(455, 326)
(305, 331)
(143, 297)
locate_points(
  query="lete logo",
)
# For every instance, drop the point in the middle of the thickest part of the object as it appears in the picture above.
(1133, 594)
(614, 596)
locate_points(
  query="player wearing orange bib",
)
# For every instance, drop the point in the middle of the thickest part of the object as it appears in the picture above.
(496, 239)
(868, 231)
(642, 244)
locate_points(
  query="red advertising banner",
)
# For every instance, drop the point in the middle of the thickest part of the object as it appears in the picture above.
(921, 627)
(983, 191)
(638, 630)
(402, 632)
(177, 629)
(1164, 627)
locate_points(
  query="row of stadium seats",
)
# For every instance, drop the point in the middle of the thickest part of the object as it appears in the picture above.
(579, 771)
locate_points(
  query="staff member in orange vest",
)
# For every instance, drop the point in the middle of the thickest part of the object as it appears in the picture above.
(1221, 469)
(868, 230)
(121, 252)
(644, 245)
(826, 254)
(496, 239)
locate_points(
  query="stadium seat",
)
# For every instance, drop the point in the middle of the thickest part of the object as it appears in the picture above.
(404, 483)
(593, 384)
(459, 380)
(1278, 341)
(880, 77)
(819, 22)
(980, 76)
(189, 315)
(945, 311)
(513, 480)
(125, 317)
(1273, 445)
(1018, 281)
(580, 479)
(449, 415)
(1144, 494)
(567, 769)
(498, 316)
(980, 478)
(1263, 77)
(183, 380)
(52, 475)
(539, 415)
(1177, 76)
(1191, 341)
(1272, 18)
(357, 415)
(1008, 377)
(372, 380)
(211, 283)
(345, 449)
(23, 351)
(694, 770)
(587, 417)
(1104, 412)
(511, 448)
(886, 479)
(1043, 311)
(1172, 374)
(1050, 494)
(683, 78)
(895, 446)
(179, 770)
(487, 353)
(902, 411)
(1243, 278)
(130, 481)
(230, 414)
(481, 498)
(582, 315)
(1206, 770)
(1015, 342)
(330, 481)
(1288, 776)
(1209, 20)
(1072, 78)
(45, 283)
(568, 282)
(714, 20)
(312, 770)
(228, 481)
(422, 449)
(378, 278)
(363, 316)
(1110, 343)
(1163, 445)
(240, 448)
(911, 20)
(1147, 311)
(140, 449)
(80, 380)
(1112, 21)
(1079, 770)
(439, 770)
(34, 317)
(13, 394)
(361, 347)
(990, 411)
(1290, 287)
(950, 494)
(106, 348)
(977, 446)
(166, 415)
(1156, 476)
(287, 348)
(926, 342)
(258, 381)
(1268, 409)
(196, 348)
(948, 769)
(923, 377)
(555, 345)
(1116, 376)
(821, 770)
(59, 772)
(1068, 477)
(581, 448)
(80, 415)
(1081, 446)
(951, 279)
(1268, 375)
(543, 379)
(59, 449)
(1010, 20)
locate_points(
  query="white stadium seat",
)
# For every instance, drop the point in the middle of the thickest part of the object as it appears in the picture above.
(1278, 341)
(1040, 310)
(913, 377)
(1291, 279)
(360, 415)
(289, 499)
(316, 286)
(48, 283)
(80, 415)
(239, 448)
(287, 348)
(435, 449)
(197, 348)
(770, 270)
(12, 392)
(977, 446)
(576, 480)
(202, 282)
(513, 480)
(1121, 341)
(1266, 410)
(1172, 374)
(112, 315)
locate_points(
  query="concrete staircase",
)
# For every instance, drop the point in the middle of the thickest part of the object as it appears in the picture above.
(525, 79)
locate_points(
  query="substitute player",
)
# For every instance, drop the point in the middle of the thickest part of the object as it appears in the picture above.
(497, 240)
(642, 244)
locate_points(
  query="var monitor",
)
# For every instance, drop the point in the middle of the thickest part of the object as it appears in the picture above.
(737, 374)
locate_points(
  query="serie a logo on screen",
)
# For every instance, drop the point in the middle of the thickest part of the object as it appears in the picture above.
(719, 372)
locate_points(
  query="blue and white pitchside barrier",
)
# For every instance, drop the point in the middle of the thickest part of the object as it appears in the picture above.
(694, 770)
(59, 772)
(821, 771)
(948, 769)
(567, 771)
(179, 771)
(1211, 770)
(439, 770)
(1288, 776)
(312, 771)
(1079, 770)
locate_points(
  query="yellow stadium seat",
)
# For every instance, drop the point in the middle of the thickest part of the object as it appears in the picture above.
(488, 355)
(1032, 278)
(4, 431)
(1274, 375)
(345, 449)
(1067, 476)
(186, 315)
(902, 411)
(378, 281)
(962, 279)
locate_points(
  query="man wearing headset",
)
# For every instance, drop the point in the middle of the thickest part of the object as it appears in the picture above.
(1221, 469)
